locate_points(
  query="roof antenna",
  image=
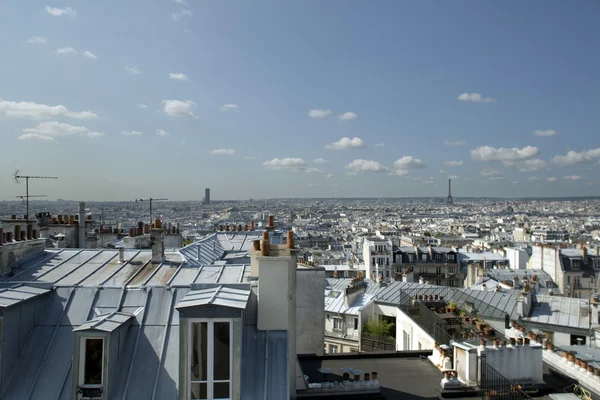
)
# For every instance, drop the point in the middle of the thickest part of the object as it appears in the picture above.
(150, 200)
(17, 176)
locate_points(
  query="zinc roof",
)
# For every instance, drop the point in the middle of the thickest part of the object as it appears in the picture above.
(563, 311)
(105, 323)
(219, 296)
(17, 294)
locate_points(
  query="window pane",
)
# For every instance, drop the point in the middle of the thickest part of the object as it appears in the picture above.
(199, 359)
(199, 391)
(221, 390)
(93, 362)
(221, 351)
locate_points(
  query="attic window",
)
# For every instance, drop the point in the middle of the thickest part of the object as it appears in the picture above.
(210, 359)
(91, 371)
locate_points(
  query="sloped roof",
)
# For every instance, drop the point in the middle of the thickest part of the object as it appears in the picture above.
(17, 294)
(105, 323)
(562, 311)
(218, 296)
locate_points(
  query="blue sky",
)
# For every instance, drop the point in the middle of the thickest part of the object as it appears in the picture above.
(126, 99)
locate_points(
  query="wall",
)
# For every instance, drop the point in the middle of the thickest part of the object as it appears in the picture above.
(173, 240)
(12, 253)
(546, 258)
(418, 336)
(70, 231)
(310, 306)
(517, 258)
(519, 363)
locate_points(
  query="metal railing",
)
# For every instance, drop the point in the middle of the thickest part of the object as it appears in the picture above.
(375, 343)
(494, 386)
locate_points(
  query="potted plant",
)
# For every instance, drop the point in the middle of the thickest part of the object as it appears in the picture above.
(550, 346)
(451, 307)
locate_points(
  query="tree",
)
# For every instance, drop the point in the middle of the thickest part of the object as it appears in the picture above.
(426, 234)
(375, 327)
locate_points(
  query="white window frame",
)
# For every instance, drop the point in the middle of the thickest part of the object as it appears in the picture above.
(81, 378)
(333, 348)
(341, 324)
(210, 356)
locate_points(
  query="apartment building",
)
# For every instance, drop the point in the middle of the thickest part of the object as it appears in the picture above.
(436, 265)
(378, 258)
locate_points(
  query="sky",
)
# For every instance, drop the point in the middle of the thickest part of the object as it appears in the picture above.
(270, 99)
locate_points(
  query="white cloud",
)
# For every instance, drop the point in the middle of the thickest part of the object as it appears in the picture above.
(249, 158)
(222, 152)
(475, 98)
(320, 161)
(329, 176)
(141, 105)
(545, 133)
(90, 55)
(59, 12)
(532, 165)
(36, 136)
(20, 109)
(399, 172)
(453, 163)
(37, 40)
(443, 171)
(573, 178)
(577, 157)
(133, 70)
(288, 163)
(455, 143)
(319, 113)
(132, 133)
(160, 132)
(515, 182)
(229, 107)
(379, 144)
(183, 13)
(552, 179)
(453, 177)
(178, 76)
(347, 116)
(314, 171)
(52, 129)
(65, 50)
(488, 153)
(358, 166)
(310, 185)
(346, 143)
(491, 173)
(178, 108)
(533, 178)
(408, 162)
(180, 2)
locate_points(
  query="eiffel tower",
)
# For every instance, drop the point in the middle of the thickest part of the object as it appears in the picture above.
(449, 200)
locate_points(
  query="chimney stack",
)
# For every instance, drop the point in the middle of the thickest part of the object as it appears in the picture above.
(290, 240)
(1, 236)
(239, 228)
(81, 232)
(23, 235)
(221, 228)
(227, 228)
(158, 244)
(245, 228)
(256, 245)
(271, 223)
(252, 225)
(29, 231)
(17, 232)
(35, 233)
(265, 247)
(121, 254)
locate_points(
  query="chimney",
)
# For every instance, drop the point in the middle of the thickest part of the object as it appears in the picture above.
(253, 261)
(140, 227)
(81, 232)
(121, 254)
(23, 236)
(271, 223)
(227, 228)
(252, 225)
(9, 237)
(290, 240)
(17, 232)
(233, 227)
(29, 231)
(239, 228)
(516, 282)
(265, 247)
(1, 236)
(146, 229)
(584, 253)
(35, 233)
(245, 228)
(158, 244)
(60, 219)
(221, 228)
(408, 277)
(351, 292)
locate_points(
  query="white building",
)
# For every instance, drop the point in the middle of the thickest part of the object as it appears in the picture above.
(517, 257)
(378, 256)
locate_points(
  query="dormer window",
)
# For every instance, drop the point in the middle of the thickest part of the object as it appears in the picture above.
(210, 359)
(91, 365)
(575, 264)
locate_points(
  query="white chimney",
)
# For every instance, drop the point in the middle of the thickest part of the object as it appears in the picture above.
(121, 254)
(158, 245)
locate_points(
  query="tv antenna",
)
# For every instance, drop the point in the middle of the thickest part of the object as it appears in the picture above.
(16, 178)
(150, 200)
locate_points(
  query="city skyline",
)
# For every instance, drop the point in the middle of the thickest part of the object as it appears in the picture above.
(314, 100)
